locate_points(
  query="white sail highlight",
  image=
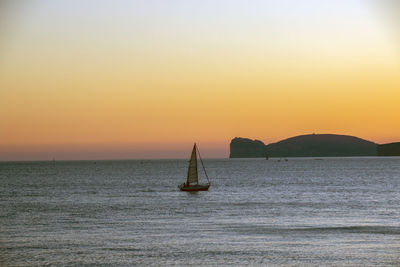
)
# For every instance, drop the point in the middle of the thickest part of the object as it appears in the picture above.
(192, 176)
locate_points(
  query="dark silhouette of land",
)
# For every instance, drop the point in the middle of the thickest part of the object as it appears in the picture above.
(322, 145)
(392, 149)
(312, 145)
(246, 148)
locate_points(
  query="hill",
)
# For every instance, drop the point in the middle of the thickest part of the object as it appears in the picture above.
(322, 145)
(392, 149)
(312, 145)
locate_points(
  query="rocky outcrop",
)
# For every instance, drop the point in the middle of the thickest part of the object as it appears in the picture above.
(247, 148)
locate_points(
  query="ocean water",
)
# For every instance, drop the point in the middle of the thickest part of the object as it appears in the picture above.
(300, 212)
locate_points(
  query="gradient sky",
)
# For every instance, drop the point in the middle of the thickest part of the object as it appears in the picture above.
(146, 79)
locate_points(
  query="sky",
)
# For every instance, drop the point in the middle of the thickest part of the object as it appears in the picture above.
(146, 79)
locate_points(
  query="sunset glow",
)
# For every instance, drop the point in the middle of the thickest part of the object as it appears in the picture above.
(146, 79)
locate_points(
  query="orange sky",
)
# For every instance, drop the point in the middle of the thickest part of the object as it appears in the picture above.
(136, 80)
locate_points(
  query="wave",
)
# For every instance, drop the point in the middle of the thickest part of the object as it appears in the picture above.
(146, 191)
(122, 249)
(370, 229)
(356, 229)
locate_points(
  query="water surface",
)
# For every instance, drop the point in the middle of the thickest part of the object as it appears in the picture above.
(304, 211)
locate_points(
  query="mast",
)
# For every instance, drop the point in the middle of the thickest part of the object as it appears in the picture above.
(192, 176)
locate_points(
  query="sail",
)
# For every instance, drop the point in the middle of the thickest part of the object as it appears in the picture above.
(192, 176)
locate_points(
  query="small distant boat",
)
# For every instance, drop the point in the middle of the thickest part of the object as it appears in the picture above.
(192, 181)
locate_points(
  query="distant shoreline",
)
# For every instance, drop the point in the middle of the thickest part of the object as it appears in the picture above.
(312, 145)
(180, 159)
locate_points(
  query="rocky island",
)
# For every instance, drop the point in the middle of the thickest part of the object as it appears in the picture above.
(312, 145)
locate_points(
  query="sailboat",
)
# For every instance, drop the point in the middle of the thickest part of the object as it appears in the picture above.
(192, 181)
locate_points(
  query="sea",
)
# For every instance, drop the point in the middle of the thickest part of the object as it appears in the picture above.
(276, 212)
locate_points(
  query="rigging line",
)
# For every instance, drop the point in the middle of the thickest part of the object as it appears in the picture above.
(204, 168)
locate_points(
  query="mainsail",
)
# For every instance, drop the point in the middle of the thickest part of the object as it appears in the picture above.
(192, 176)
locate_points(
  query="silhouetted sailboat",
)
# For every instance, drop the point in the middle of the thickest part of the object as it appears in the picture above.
(192, 181)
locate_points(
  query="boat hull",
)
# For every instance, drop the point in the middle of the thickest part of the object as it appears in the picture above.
(194, 188)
